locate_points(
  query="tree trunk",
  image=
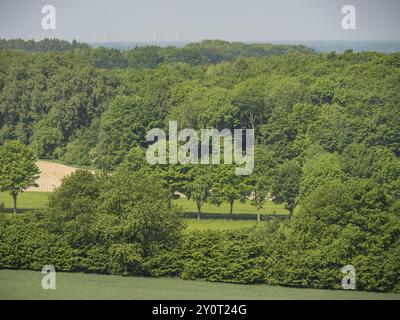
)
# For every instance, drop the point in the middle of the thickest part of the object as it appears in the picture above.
(291, 206)
(198, 210)
(258, 215)
(291, 210)
(14, 195)
(231, 208)
(253, 126)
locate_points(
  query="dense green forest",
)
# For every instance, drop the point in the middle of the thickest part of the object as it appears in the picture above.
(152, 56)
(327, 144)
(67, 109)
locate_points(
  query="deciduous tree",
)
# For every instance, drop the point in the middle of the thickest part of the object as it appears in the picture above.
(18, 169)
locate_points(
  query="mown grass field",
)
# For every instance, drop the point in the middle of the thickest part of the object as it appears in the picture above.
(218, 224)
(27, 285)
(239, 208)
(38, 200)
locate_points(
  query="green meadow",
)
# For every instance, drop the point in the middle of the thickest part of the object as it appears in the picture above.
(23, 284)
(26, 200)
(218, 224)
(213, 217)
(37, 200)
(238, 208)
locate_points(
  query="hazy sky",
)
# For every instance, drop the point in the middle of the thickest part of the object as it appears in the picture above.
(190, 20)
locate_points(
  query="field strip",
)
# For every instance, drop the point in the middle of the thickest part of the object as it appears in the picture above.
(51, 175)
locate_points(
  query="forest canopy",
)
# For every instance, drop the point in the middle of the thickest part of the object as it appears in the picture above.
(151, 56)
(68, 109)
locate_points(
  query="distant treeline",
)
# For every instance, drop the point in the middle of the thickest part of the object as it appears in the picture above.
(41, 46)
(202, 53)
(205, 52)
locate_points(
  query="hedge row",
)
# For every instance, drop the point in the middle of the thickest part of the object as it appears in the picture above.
(248, 256)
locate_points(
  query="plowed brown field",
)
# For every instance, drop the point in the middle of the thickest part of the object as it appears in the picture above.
(51, 175)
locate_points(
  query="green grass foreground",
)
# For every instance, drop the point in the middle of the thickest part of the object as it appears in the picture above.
(27, 285)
